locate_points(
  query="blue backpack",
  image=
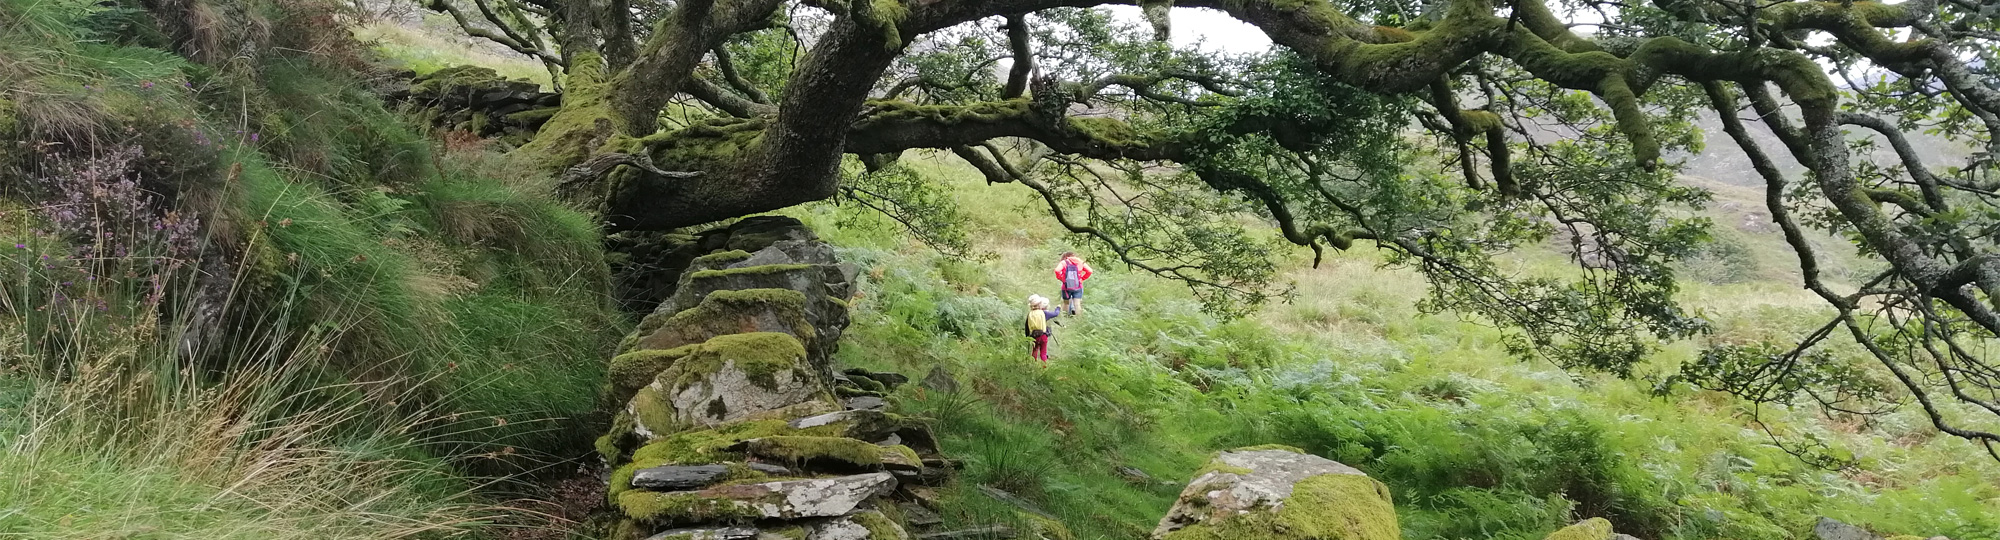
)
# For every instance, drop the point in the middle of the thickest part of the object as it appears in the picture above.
(1071, 280)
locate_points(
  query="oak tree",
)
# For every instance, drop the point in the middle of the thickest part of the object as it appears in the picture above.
(1443, 132)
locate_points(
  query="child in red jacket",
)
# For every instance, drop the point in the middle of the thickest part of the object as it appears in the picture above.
(1071, 270)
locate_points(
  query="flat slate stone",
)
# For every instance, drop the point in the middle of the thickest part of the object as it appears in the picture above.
(679, 477)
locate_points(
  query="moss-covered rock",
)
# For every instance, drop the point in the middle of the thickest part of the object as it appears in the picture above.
(862, 525)
(686, 507)
(755, 233)
(732, 378)
(699, 447)
(742, 502)
(870, 425)
(634, 370)
(1279, 493)
(837, 454)
(479, 100)
(869, 385)
(732, 312)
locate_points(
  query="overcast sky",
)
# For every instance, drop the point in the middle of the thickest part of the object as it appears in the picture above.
(1212, 29)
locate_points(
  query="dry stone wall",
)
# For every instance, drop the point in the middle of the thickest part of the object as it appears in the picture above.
(730, 422)
(474, 99)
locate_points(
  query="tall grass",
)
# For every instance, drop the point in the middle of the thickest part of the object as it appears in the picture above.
(168, 453)
(113, 428)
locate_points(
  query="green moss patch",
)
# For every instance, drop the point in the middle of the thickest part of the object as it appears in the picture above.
(750, 271)
(721, 258)
(732, 312)
(839, 453)
(760, 355)
(879, 525)
(682, 507)
(634, 370)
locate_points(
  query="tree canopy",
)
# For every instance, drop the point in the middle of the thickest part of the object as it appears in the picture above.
(1442, 132)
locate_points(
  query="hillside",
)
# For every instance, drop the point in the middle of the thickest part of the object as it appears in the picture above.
(256, 286)
(1474, 443)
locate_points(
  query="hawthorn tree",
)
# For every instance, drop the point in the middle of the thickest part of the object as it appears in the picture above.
(1440, 131)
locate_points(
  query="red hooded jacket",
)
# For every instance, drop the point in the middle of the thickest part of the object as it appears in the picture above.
(1083, 269)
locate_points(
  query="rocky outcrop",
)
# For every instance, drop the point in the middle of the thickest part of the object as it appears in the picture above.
(1280, 493)
(477, 100)
(730, 421)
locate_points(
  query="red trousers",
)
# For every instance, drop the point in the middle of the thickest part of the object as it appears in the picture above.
(1040, 349)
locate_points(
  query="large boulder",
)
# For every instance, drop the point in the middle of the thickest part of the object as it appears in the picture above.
(1280, 493)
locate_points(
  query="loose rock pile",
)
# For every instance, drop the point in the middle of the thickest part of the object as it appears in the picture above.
(730, 422)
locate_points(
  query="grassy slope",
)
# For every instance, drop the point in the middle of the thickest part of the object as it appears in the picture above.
(1475, 444)
(408, 313)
